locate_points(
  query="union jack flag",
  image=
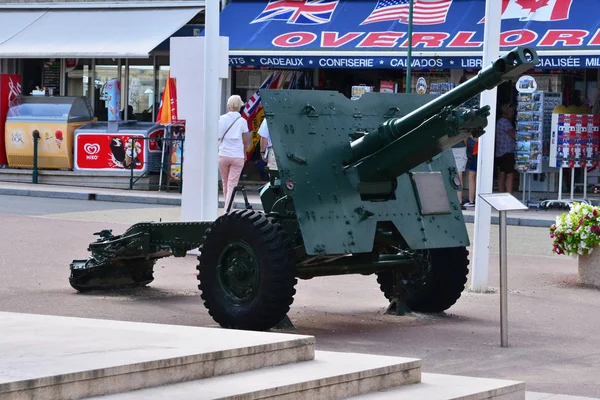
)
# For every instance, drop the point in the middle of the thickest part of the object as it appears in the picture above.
(251, 105)
(307, 12)
(425, 12)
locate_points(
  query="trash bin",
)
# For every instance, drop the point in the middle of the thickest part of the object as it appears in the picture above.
(55, 118)
(107, 146)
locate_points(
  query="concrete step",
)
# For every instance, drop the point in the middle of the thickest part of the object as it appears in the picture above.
(452, 387)
(331, 376)
(81, 179)
(49, 357)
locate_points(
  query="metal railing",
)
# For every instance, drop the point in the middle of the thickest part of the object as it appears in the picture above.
(157, 162)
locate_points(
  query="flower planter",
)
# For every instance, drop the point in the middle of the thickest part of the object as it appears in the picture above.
(588, 266)
(576, 232)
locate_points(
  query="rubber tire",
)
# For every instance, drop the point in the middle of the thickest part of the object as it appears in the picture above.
(277, 282)
(442, 288)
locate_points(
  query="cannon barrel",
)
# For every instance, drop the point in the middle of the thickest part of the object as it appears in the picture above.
(411, 139)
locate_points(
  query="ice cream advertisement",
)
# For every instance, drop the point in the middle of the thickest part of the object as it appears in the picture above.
(109, 152)
(55, 146)
(113, 102)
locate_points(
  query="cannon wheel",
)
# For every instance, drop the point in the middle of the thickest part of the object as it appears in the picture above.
(246, 271)
(437, 286)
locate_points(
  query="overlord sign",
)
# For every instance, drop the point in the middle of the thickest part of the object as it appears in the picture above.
(335, 27)
(550, 38)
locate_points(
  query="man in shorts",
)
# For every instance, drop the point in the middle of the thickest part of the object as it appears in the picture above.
(460, 157)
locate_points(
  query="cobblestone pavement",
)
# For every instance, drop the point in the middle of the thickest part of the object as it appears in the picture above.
(553, 322)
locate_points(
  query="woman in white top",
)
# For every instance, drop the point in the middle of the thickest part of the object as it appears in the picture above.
(233, 143)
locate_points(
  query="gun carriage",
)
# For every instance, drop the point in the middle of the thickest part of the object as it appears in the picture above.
(363, 186)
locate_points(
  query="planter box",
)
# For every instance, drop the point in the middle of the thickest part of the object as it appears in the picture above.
(589, 268)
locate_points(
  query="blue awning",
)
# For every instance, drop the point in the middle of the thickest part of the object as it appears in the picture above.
(373, 34)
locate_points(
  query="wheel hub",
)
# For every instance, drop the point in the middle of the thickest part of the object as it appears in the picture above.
(239, 272)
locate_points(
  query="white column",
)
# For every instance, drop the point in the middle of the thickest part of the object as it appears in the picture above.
(197, 64)
(212, 89)
(485, 160)
(187, 61)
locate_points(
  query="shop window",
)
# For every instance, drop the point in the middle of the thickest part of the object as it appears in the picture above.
(248, 80)
(105, 71)
(548, 82)
(79, 77)
(140, 92)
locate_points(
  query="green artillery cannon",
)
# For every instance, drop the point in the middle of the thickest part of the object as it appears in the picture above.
(364, 186)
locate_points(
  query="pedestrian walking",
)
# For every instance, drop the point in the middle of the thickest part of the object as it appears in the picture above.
(459, 151)
(505, 148)
(472, 170)
(233, 143)
(266, 146)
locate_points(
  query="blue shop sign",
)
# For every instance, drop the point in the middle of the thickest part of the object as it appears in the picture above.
(418, 63)
(261, 30)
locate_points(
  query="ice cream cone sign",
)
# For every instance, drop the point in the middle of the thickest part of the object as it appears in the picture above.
(58, 136)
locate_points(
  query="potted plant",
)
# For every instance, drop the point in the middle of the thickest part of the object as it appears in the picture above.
(577, 233)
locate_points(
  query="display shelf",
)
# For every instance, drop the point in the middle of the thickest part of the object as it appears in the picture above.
(575, 141)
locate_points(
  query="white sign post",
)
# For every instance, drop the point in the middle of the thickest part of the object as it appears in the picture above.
(195, 100)
(197, 64)
(485, 161)
(503, 202)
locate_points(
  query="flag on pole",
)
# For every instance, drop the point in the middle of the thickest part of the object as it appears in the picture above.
(253, 111)
(167, 111)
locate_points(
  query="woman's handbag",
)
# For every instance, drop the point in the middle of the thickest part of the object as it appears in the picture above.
(223, 137)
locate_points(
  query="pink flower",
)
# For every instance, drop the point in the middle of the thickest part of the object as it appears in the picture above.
(557, 250)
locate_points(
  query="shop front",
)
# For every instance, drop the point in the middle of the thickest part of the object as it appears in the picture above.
(74, 50)
(353, 46)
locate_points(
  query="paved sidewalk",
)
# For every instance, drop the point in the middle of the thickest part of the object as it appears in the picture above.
(550, 396)
(137, 355)
(532, 217)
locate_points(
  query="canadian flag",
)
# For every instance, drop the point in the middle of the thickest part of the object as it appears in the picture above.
(535, 10)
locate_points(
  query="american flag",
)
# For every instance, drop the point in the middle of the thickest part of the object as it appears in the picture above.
(305, 12)
(425, 12)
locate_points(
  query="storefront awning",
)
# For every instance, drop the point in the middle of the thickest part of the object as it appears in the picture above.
(100, 30)
(373, 34)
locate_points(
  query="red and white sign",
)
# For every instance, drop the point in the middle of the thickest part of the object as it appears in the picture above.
(10, 88)
(109, 152)
(70, 64)
(387, 87)
(155, 145)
